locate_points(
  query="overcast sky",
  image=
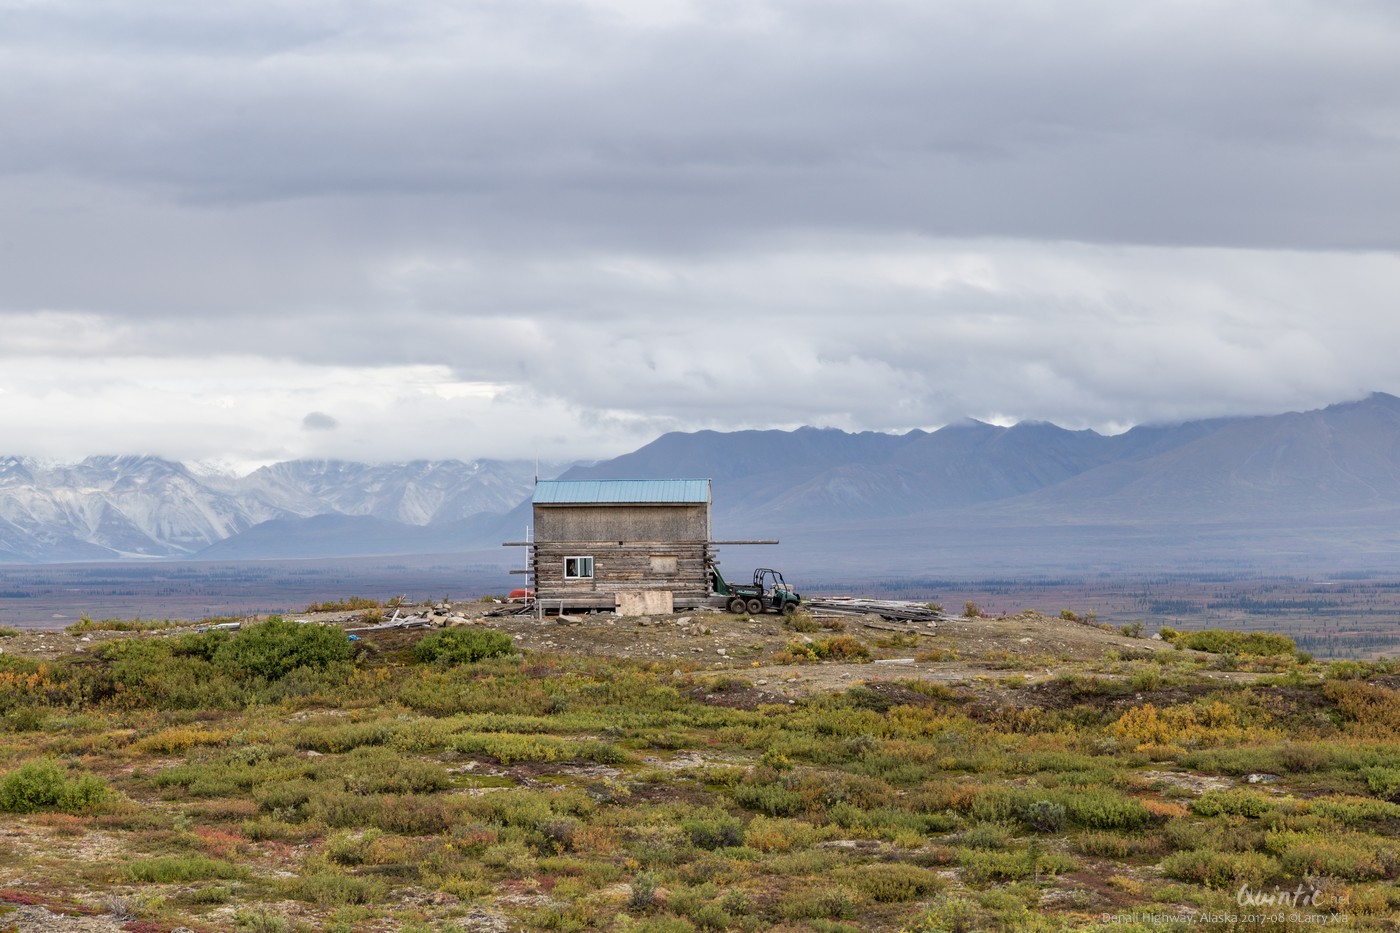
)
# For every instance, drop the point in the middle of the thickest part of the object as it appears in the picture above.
(260, 230)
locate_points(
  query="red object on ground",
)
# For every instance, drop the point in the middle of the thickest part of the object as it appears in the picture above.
(520, 595)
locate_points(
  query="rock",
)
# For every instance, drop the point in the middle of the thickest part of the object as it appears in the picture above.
(1261, 778)
(722, 652)
(643, 620)
(684, 620)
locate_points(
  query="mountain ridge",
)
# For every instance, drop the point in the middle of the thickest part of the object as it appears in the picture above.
(1308, 483)
(116, 507)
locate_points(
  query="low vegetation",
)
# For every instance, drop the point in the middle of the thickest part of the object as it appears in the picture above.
(284, 777)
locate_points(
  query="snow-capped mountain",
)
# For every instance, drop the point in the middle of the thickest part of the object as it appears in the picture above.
(111, 507)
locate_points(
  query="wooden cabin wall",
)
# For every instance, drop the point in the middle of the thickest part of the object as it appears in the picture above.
(622, 567)
(688, 522)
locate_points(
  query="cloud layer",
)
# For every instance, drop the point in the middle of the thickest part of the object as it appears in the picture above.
(561, 227)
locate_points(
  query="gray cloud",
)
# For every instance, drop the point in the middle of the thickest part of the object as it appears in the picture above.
(670, 214)
(319, 421)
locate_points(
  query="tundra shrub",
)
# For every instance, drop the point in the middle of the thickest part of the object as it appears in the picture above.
(45, 785)
(895, 882)
(170, 869)
(1234, 802)
(277, 647)
(1043, 816)
(713, 829)
(1220, 869)
(1384, 782)
(1225, 641)
(463, 646)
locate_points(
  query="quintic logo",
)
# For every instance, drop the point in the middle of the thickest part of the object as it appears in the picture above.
(1301, 896)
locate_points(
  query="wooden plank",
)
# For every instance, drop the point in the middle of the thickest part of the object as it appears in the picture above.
(738, 542)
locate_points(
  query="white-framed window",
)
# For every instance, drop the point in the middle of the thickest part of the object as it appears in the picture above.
(578, 568)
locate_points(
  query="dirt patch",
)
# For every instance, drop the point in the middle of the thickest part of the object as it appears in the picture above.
(36, 919)
(1192, 783)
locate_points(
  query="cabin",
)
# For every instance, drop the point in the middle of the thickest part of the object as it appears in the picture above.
(632, 545)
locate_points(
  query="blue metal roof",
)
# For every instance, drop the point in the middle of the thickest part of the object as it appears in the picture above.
(602, 491)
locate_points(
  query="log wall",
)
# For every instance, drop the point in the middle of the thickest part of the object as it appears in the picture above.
(627, 566)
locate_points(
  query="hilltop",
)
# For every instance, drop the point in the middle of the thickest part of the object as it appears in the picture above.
(701, 772)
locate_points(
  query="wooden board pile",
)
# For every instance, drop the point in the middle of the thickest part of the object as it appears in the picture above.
(893, 610)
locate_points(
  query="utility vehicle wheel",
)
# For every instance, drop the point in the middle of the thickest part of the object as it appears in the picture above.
(738, 606)
(755, 607)
(789, 609)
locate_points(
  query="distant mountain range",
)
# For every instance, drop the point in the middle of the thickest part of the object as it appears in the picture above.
(107, 508)
(1316, 490)
(1307, 491)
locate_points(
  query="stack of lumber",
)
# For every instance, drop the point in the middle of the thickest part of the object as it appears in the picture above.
(894, 610)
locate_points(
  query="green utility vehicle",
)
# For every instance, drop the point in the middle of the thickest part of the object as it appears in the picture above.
(769, 592)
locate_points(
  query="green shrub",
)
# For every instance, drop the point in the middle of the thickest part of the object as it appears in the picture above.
(642, 894)
(1233, 801)
(259, 920)
(1101, 808)
(772, 799)
(1352, 856)
(1383, 782)
(1043, 816)
(1225, 641)
(987, 836)
(1115, 845)
(349, 848)
(334, 889)
(45, 785)
(463, 646)
(86, 624)
(894, 882)
(982, 866)
(182, 869)
(275, 648)
(713, 829)
(380, 771)
(344, 605)
(949, 915)
(824, 902)
(210, 894)
(1220, 869)
(1354, 811)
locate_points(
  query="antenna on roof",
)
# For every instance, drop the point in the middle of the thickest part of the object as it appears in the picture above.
(537, 469)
